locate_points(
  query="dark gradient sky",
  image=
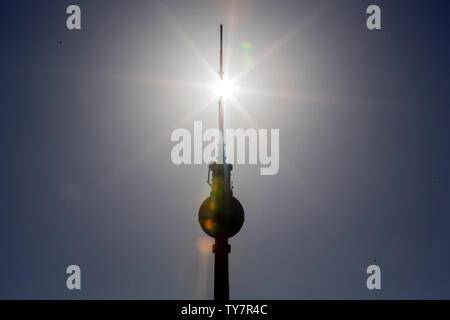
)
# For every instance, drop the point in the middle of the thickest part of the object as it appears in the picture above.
(364, 121)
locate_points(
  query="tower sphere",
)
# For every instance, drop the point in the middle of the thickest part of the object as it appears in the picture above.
(220, 220)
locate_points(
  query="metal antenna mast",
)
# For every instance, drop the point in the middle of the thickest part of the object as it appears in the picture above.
(221, 52)
(222, 157)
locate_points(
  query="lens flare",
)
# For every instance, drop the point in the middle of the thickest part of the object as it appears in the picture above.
(224, 88)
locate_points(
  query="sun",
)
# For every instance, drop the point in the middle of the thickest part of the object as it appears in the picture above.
(224, 88)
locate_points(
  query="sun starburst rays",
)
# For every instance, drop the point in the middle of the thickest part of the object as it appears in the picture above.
(229, 88)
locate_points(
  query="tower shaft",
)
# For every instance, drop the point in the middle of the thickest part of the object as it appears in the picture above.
(221, 249)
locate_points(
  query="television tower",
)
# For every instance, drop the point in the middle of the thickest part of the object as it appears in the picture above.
(221, 215)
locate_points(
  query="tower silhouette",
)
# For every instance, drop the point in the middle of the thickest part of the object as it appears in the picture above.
(221, 215)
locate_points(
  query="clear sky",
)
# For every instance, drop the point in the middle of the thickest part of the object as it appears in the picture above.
(86, 175)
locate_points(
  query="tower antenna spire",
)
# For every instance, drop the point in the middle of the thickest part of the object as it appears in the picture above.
(222, 157)
(221, 52)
